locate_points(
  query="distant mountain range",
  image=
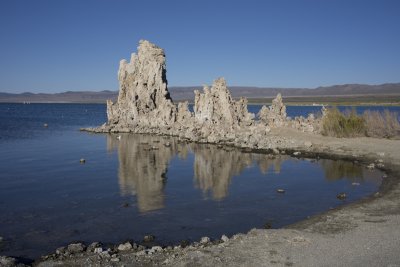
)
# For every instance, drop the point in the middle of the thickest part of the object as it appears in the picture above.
(186, 93)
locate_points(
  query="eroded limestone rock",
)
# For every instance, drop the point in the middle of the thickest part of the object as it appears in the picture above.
(184, 115)
(274, 115)
(143, 98)
(216, 106)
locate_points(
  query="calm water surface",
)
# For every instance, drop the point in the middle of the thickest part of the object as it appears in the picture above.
(126, 190)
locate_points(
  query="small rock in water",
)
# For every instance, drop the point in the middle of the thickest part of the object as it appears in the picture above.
(341, 196)
(45, 125)
(224, 238)
(356, 184)
(281, 191)
(297, 153)
(82, 161)
(204, 240)
(76, 248)
(119, 137)
(125, 205)
(125, 246)
(371, 166)
(149, 238)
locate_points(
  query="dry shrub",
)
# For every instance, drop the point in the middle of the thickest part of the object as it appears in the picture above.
(382, 124)
(338, 124)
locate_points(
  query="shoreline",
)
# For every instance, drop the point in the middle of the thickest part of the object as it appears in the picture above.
(293, 104)
(373, 213)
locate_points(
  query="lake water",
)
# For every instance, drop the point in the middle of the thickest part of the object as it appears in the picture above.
(126, 190)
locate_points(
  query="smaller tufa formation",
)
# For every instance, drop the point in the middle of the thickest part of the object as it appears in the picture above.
(309, 124)
(184, 116)
(216, 106)
(275, 115)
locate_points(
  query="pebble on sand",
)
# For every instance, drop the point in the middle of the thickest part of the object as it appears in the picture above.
(204, 240)
(224, 238)
(341, 196)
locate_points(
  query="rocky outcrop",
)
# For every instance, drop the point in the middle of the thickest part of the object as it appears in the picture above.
(184, 115)
(145, 106)
(309, 124)
(216, 106)
(274, 115)
(143, 99)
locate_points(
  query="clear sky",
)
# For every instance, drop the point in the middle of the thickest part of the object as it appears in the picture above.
(56, 45)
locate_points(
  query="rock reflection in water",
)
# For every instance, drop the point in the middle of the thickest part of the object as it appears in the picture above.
(143, 167)
(144, 160)
(214, 167)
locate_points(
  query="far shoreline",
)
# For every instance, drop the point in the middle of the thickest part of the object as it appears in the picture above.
(250, 103)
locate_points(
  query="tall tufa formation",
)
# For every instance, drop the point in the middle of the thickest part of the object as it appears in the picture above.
(143, 98)
(216, 106)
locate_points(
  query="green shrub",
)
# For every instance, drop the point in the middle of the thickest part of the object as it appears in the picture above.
(338, 124)
(372, 123)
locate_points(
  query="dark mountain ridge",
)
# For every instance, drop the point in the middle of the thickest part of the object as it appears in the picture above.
(186, 93)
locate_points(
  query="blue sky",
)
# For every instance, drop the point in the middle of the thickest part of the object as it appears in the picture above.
(55, 46)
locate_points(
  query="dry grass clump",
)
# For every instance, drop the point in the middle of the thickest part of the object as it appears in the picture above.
(347, 124)
(372, 123)
(382, 124)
